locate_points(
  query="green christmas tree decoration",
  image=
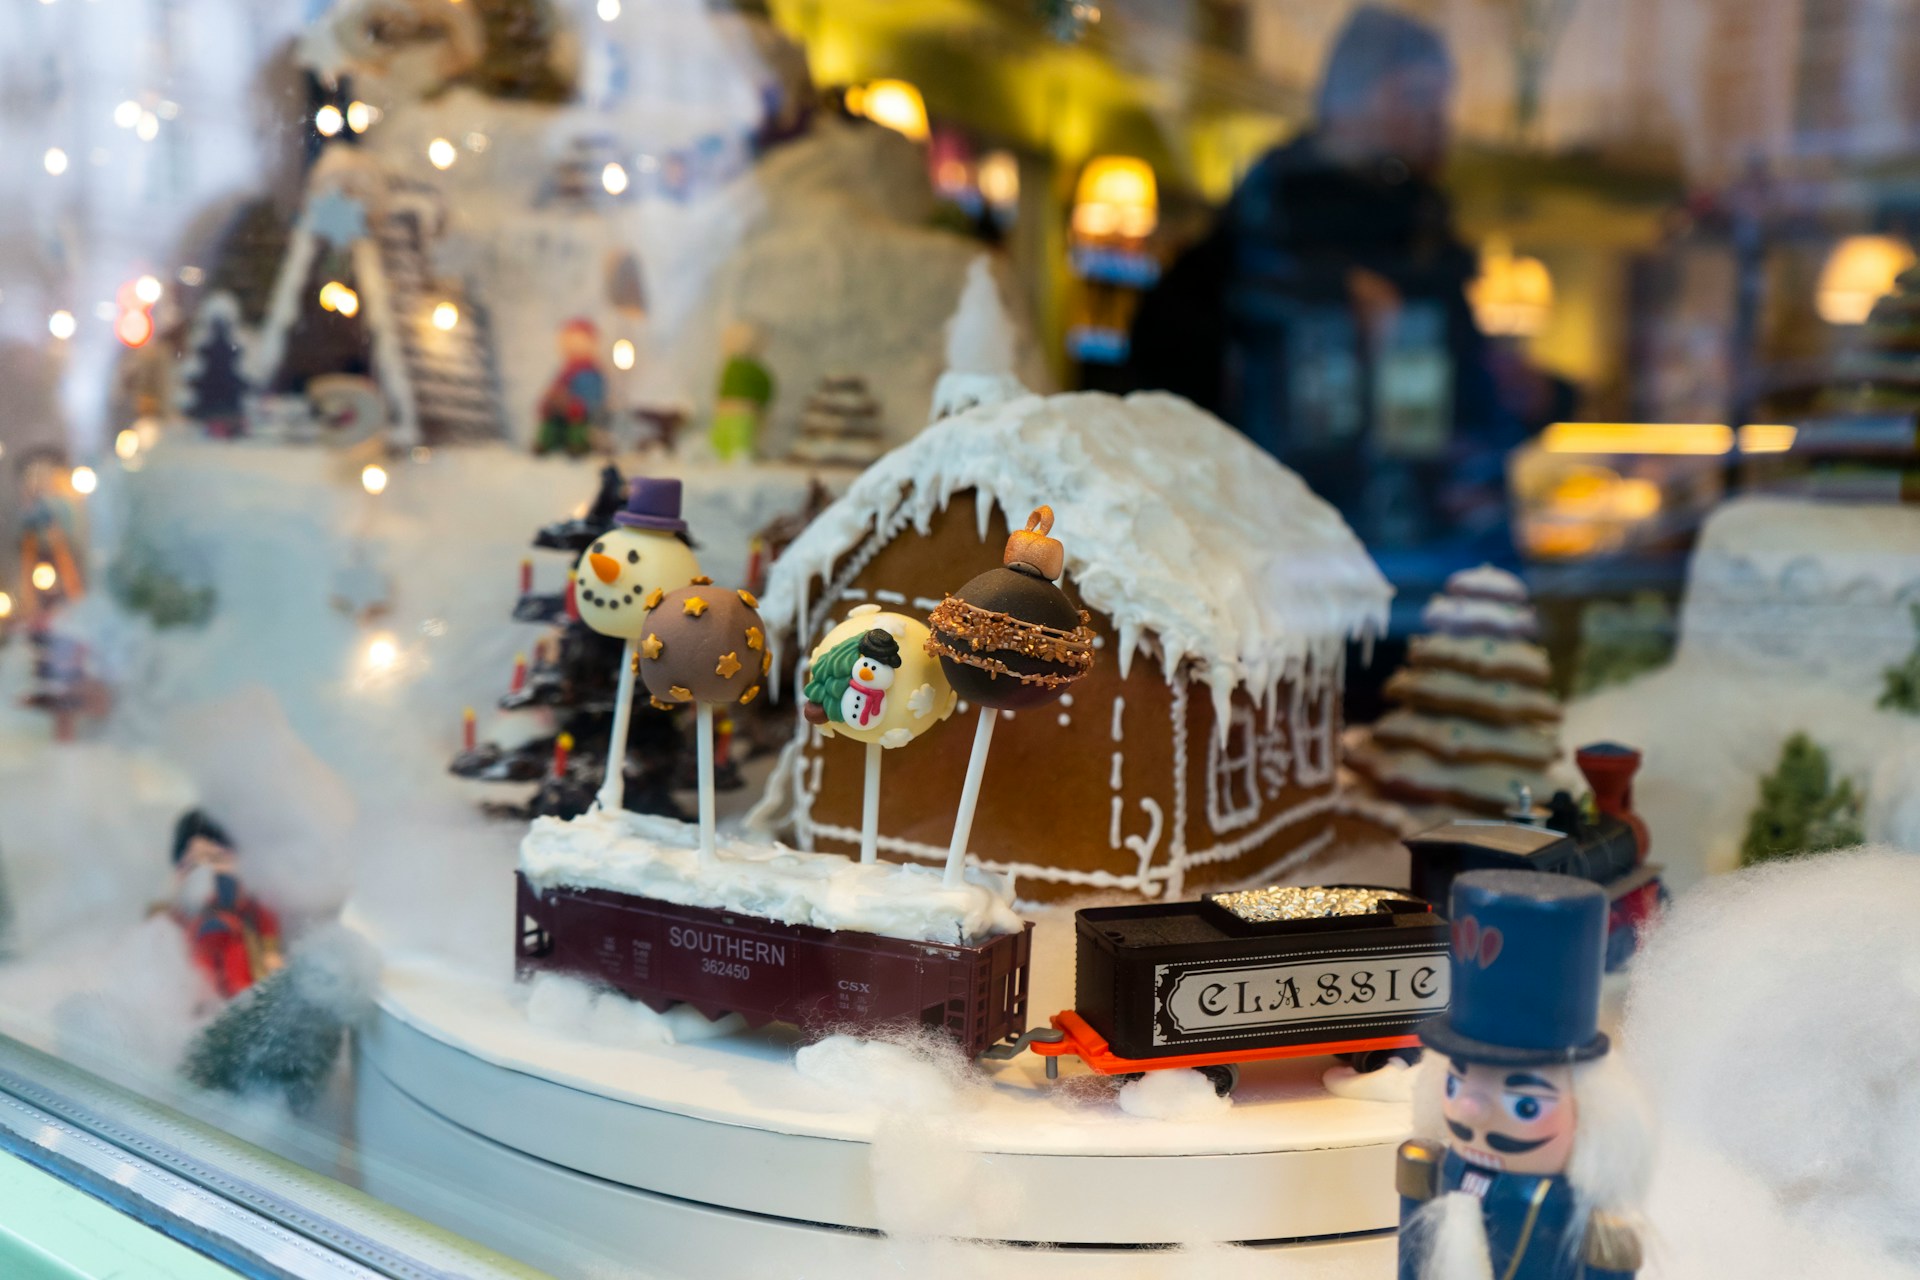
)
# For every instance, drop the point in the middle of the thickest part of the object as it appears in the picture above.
(1901, 691)
(142, 581)
(284, 1034)
(1802, 808)
(1621, 641)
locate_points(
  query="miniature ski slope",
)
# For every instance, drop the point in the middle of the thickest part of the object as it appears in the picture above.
(659, 858)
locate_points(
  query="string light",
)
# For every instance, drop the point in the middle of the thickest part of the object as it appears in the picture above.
(134, 327)
(328, 120)
(445, 316)
(126, 444)
(476, 142)
(85, 481)
(614, 178)
(382, 653)
(623, 354)
(608, 10)
(373, 478)
(55, 161)
(6, 605)
(61, 325)
(148, 289)
(45, 576)
(148, 127)
(441, 154)
(335, 296)
(127, 114)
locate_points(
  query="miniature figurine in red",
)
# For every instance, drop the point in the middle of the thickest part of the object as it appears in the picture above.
(1534, 1147)
(235, 937)
(575, 405)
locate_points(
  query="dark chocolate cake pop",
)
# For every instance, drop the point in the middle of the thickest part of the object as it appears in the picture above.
(1010, 638)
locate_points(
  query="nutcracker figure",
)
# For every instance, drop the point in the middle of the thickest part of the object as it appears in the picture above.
(1533, 1151)
(234, 936)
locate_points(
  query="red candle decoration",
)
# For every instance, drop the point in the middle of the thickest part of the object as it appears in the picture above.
(468, 729)
(519, 672)
(562, 748)
(526, 576)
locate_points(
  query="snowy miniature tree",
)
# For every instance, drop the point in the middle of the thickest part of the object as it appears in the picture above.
(980, 349)
(283, 1035)
(1802, 808)
(1901, 691)
(213, 387)
(1621, 641)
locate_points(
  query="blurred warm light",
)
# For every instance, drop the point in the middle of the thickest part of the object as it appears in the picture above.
(1762, 437)
(1513, 294)
(61, 325)
(328, 120)
(335, 296)
(622, 354)
(147, 128)
(1117, 196)
(476, 142)
(134, 327)
(895, 105)
(126, 444)
(360, 116)
(441, 154)
(373, 478)
(1858, 273)
(45, 576)
(999, 178)
(445, 317)
(6, 605)
(148, 289)
(608, 10)
(382, 652)
(55, 161)
(614, 178)
(127, 114)
(84, 481)
(950, 175)
(1638, 437)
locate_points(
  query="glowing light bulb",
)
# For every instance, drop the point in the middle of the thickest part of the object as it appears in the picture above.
(382, 652)
(133, 328)
(55, 161)
(476, 142)
(147, 128)
(6, 605)
(328, 120)
(45, 576)
(896, 105)
(373, 478)
(445, 316)
(61, 325)
(335, 296)
(614, 178)
(85, 481)
(441, 154)
(148, 289)
(623, 354)
(608, 10)
(360, 116)
(127, 114)
(126, 444)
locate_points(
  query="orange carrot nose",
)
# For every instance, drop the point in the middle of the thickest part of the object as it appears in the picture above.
(605, 568)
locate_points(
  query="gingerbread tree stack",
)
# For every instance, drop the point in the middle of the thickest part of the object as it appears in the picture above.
(1476, 720)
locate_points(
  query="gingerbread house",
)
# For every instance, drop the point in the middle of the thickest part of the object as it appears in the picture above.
(1202, 749)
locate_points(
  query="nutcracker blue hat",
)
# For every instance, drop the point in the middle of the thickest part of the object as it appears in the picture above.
(652, 504)
(1529, 948)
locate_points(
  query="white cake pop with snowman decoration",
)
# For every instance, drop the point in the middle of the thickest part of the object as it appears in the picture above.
(638, 559)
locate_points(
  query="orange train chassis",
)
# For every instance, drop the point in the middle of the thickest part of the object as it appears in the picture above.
(1072, 1036)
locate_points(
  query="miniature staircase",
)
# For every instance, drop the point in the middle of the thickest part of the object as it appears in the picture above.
(453, 374)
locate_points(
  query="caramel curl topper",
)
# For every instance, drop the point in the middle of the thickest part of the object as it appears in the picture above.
(1032, 547)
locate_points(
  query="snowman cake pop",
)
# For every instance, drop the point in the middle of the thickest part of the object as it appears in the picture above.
(871, 679)
(642, 553)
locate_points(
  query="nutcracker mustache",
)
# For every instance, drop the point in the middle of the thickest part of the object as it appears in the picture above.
(1498, 1141)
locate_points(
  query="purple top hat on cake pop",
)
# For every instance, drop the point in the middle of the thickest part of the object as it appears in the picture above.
(652, 504)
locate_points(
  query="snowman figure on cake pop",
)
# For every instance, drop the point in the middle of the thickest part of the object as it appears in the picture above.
(1533, 1153)
(618, 577)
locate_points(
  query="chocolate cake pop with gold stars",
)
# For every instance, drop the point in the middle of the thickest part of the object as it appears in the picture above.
(703, 644)
(1011, 638)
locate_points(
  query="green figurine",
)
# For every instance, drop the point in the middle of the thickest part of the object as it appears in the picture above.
(746, 389)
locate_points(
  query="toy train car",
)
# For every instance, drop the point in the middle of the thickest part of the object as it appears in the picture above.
(821, 980)
(1281, 972)
(1609, 848)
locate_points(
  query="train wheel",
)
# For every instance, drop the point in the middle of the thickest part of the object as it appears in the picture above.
(1368, 1060)
(1224, 1077)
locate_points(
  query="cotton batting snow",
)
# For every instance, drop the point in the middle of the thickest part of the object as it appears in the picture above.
(1175, 1094)
(659, 858)
(574, 1008)
(924, 1076)
(1392, 1082)
(1176, 527)
(1775, 1020)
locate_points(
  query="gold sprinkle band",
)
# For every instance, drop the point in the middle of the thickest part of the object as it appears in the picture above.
(985, 629)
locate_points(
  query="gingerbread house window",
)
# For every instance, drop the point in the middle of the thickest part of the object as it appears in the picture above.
(1314, 711)
(1233, 774)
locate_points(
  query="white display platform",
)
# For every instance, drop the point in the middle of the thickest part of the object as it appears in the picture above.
(724, 1140)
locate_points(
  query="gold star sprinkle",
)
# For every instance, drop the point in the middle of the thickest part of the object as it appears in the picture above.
(701, 580)
(754, 638)
(660, 704)
(693, 606)
(766, 661)
(728, 666)
(652, 645)
(679, 693)
(654, 597)
(746, 598)
(749, 695)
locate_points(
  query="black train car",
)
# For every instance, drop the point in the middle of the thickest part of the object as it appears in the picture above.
(1609, 848)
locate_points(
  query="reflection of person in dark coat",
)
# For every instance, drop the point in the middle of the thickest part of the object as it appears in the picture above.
(1326, 316)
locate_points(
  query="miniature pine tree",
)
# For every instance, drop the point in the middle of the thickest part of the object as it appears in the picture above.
(1902, 683)
(216, 390)
(1802, 809)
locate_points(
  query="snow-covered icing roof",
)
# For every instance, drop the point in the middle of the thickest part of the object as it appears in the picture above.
(1176, 527)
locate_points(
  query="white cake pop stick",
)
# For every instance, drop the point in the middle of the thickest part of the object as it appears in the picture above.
(703, 743)
(970, 796)
(613, 787)
(870, 807)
